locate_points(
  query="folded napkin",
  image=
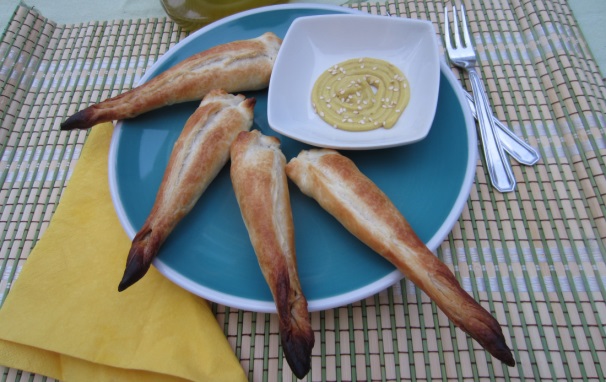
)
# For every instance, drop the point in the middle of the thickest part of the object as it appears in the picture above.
(65, 318)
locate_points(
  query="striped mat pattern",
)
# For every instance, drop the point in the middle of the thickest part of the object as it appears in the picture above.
(535, 258)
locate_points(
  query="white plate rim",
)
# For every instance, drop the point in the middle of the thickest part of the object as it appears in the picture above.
(318, 304)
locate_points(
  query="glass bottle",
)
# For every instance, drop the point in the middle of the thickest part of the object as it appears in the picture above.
(194, 14)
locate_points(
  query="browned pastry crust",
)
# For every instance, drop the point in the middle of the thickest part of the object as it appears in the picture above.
(234, 67)
(261, 187)
(356, 202)
(198, 155)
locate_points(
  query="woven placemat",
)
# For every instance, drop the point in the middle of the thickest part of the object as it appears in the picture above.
(535, 258)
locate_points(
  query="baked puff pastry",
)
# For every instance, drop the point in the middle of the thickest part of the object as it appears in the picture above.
(363, 209)
(198, 155)
(261, 188)
(234, 67)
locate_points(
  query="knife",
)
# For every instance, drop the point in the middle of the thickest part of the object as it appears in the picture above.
(512, 144)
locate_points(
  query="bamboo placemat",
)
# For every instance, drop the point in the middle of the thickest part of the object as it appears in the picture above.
(535, 258)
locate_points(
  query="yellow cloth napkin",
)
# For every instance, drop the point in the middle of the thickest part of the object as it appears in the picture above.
(65, 318)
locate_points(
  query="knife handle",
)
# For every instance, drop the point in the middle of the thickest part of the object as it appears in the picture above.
(512, 144)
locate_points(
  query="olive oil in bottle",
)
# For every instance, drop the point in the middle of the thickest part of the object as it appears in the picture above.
(194, 14)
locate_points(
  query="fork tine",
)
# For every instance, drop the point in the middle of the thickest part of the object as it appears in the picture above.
(465, 27)
(455, 22)
(447, 36)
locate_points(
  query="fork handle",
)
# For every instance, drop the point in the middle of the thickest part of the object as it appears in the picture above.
(499, 169)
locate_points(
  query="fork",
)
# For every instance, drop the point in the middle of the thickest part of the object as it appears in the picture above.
(512, 144)
(462, 54)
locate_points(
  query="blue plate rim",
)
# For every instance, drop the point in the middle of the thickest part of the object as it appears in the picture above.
(316, 304)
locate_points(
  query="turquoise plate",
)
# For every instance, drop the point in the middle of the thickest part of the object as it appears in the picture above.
(209, 253)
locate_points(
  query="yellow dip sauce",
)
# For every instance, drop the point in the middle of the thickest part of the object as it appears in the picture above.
(361, 94)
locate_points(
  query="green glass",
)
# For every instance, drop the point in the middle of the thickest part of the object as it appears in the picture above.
(194, 14)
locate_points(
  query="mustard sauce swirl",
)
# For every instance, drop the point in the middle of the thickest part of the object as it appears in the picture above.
(361, 94)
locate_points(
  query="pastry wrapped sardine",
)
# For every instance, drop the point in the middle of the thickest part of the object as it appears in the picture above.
(261, 188)
(363, 209)
(198, 155)
(237, 66)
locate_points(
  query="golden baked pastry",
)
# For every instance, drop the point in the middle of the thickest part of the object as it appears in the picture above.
(261, 187)
(198, 155)
(363, 209)
(234, 67)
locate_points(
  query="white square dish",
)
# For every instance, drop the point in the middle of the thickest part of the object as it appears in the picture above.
(315, 43)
